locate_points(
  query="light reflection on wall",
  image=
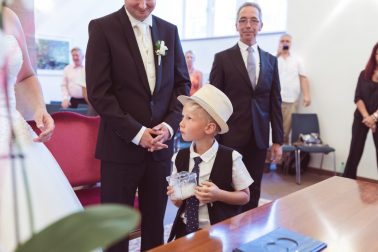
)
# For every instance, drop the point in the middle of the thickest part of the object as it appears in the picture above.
(315, 34)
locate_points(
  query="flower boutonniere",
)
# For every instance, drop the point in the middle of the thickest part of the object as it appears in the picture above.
(160, 49)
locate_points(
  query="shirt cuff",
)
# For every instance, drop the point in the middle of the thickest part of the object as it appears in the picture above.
(138, 137)
(169, 129)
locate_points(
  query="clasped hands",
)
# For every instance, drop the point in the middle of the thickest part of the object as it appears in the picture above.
(207, 192)
(370, 123)
(153, 139)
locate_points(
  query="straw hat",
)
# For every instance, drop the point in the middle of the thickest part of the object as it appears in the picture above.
(215, 102)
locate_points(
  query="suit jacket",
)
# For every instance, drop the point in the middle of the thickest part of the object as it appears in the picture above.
(253, 109)
(118, 87)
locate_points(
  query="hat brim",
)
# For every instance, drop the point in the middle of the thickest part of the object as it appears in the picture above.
(221, 123)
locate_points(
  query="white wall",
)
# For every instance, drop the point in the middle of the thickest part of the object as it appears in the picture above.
(335, 39)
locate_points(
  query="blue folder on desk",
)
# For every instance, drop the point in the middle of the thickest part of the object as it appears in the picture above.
(282, 239)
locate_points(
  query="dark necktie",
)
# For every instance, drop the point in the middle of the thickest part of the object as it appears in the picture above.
(192, 204)
(251, 67)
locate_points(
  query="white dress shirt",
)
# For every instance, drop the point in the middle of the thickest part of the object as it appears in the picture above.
(290, 69)
(147, 52)
(146, 49)
(240, 176)
(256, 54)
(73, 82)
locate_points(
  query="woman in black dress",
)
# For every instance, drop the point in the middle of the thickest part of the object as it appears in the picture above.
(366, 114)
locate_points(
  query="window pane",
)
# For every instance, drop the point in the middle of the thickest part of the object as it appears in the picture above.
(171, 11)
(224, 17)
(274, 15)
(196, 14)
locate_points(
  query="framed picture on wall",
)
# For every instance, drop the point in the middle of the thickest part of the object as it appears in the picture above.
(53, 54)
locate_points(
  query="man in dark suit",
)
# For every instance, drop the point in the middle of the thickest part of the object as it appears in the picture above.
(135, 69)
(249, 77)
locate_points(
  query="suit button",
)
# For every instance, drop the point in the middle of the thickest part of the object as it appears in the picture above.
(152, 103)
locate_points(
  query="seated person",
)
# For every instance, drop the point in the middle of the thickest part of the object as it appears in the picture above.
(223, 178)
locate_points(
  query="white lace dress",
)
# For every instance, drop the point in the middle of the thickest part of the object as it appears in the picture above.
(51, 195)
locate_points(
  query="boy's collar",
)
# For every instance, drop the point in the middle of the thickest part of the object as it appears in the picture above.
(208, 155)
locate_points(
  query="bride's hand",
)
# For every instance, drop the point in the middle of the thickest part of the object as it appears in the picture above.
(45, 124)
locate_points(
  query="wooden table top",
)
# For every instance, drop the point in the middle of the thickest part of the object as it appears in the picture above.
(339, 211)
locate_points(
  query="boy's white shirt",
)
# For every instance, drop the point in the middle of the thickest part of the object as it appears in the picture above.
(241, 178)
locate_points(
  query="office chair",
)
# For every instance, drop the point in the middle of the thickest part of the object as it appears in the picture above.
(307, 124)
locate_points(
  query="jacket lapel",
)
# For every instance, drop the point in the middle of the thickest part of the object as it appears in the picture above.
(263, 63)
(238, 62)
(158, 68)
(133, 47)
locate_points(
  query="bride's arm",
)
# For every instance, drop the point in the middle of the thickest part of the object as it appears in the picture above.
(29, 98)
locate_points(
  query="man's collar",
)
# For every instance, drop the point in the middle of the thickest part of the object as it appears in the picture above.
(134, 21)
(244, 46)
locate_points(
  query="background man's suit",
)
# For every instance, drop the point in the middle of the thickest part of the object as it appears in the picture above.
(253, 110)
(119, 91)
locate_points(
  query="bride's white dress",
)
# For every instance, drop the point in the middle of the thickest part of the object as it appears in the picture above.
(51, 194)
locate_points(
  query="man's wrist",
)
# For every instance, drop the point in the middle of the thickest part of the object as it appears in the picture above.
(375, 116)
(138, 136)
(170, 130)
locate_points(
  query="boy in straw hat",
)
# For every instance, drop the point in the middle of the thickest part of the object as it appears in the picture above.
(222, 176)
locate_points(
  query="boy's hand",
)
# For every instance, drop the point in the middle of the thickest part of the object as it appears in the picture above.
(208, 192)
(170, 191)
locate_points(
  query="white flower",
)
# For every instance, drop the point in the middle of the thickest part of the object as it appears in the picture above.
(161, 49)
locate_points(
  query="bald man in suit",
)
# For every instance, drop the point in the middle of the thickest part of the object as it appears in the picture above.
(249, 77)
(135, 69)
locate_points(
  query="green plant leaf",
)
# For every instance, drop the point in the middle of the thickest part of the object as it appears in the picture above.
(95, 227)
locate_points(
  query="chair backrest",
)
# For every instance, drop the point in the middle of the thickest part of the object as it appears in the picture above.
(82, 105)
(56, 102)
(73, 145)
(303, 124)
(53, 107)
(78, 110)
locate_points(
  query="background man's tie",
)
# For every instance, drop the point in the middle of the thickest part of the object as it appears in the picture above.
(192, 204)
(251, 67)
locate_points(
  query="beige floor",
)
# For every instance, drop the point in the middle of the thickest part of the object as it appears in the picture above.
(276, 185)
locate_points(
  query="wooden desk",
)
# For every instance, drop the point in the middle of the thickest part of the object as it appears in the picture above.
(339, 211)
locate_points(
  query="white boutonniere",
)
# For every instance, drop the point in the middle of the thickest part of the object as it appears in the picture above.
(160, 49)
